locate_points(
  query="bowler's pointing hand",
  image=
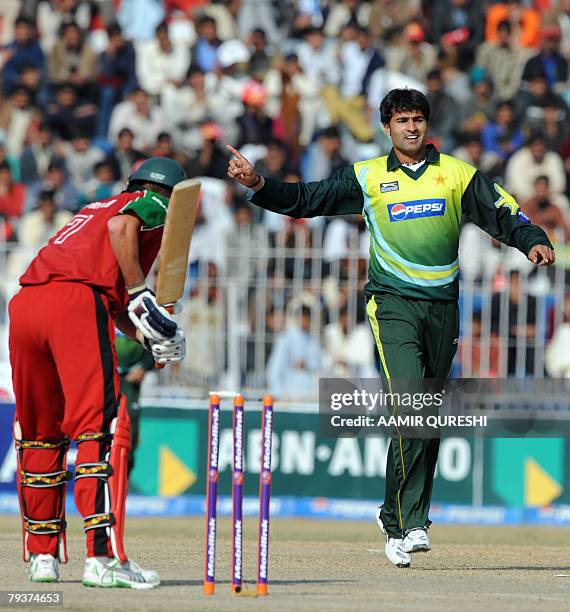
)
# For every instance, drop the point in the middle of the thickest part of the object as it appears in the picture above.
(241, 169)
(541, 255)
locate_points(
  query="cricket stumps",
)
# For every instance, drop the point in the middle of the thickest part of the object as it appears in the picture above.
(237, 494)
(238, 479)
(212, 494)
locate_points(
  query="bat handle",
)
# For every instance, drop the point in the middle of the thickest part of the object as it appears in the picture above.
(170, 308)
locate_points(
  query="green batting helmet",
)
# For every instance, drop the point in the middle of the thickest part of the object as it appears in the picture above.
(160, 170)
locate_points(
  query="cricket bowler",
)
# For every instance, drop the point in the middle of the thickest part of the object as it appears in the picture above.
(412, 201)
(89, 278)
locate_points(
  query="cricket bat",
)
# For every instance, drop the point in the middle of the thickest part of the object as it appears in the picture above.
(175, 245)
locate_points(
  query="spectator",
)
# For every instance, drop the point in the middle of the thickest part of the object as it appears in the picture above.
(554, 125)
(65, 193)
(317, 58)
(204, 54)
(137, 113)
(23, 51)
(38, 154)
(187, 107)
(344, 235)
(348, 103)
(530, 162)
(224, 12)
(503, 61)
(12, 198)
(32, 79)
(116, 75)
(52, 15)
(164, 146)
(35, 229)
(204, 314)
(476, 113)
(160, 61)
(123, 156)
(10, 12)
(562, 18)
(80, 158)
(255, 127)
(531, 101)
(138, 18)
(261, 55)
(259, 14)
(295, 362)
(565, 154)
(414, 57)
(456, 80)
(274, 163)
(211, 160)
(348, 351)
(472, 152)
(17, 116)
(458, 22)
(100, 186)
(549, 61)
(520, 328)
(227, 93)
(324, 156)
(442, 120)
(67, 114)
(343, 13)
(12, 161)
(73, 60)
(481, 257)
(557, 353)
(387, 16)
(525, 22)
(550, 211)
(293, 102)
(480, 356)
(502, 136)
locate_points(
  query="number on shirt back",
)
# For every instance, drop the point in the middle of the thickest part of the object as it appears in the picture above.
(77, 223)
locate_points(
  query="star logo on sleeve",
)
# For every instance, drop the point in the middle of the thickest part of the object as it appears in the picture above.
(440, 179)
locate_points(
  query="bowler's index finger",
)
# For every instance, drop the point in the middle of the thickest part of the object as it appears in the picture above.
(235, 152)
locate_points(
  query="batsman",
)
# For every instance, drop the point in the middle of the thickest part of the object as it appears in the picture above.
(413, 201)
(90, 278)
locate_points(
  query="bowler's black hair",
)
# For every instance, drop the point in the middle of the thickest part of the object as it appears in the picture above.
(402, 101)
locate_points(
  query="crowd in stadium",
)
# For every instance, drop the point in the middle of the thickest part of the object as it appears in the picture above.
(90, 87)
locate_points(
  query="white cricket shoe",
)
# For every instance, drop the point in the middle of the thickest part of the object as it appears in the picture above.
(394, 548)
(107, 572)
(43, 568)
(417, 540)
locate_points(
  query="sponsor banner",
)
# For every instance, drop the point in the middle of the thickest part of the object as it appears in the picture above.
(313, 469)
(171, 458)
(319, 508)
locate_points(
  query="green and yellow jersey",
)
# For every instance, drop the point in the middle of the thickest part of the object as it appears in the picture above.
(414, 217)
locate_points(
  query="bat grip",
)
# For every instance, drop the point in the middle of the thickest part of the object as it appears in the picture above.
(170, 308)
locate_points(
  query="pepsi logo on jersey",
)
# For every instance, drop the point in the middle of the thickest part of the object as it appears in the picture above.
(416, 209)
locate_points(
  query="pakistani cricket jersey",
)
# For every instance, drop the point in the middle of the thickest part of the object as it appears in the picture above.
(414, 217)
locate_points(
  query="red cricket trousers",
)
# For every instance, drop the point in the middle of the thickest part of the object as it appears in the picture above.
(64, 373)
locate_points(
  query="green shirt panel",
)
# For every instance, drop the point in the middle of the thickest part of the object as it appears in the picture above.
(150, 208)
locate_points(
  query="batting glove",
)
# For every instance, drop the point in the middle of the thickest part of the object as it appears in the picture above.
(171, 350)
(153, 321)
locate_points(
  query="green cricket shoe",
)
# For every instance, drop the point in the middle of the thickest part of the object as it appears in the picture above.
(43, 568)
(110, 573)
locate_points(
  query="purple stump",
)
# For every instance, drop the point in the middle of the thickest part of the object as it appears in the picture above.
(237, 494)
(212, 495)
(264, 494)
